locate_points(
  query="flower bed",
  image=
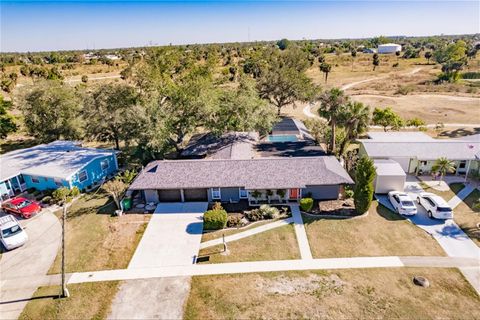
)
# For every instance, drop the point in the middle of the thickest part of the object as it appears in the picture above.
(344, 207)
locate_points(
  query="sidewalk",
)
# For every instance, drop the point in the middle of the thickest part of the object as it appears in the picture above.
(247, 233)
(300, 232)
(459, 197)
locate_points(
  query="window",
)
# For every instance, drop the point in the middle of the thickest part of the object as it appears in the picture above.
(21, 179)
(104, 164)
(462, 164)
(82, 176)
(35, 179)
(58, 182)
(216, 194)
(242, 192)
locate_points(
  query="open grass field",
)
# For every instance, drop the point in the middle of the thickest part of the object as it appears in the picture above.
(275, 244)
(467, 218)
(336, 294)
(380, 233)
(87, 301)
(95, 240)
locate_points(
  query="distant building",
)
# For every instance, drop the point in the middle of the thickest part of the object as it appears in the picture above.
(112, 57)
(389, 48)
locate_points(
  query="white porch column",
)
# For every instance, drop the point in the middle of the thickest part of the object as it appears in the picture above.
(19, 184)
(10, 189)
(468, 169)
(182, 195)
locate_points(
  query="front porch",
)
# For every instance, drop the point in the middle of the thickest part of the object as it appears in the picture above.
(274, 196)
(11, 187)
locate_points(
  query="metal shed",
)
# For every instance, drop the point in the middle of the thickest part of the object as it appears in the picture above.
(390, 176)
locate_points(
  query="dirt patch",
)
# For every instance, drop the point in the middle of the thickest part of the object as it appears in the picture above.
(344, 207)
(313, 284)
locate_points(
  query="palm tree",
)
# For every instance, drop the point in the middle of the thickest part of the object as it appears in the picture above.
(444, 166)
(330, 107)
(355, 118)
(326, 68)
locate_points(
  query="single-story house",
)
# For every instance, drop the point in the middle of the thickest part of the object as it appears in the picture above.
(53, 165)
(416, 152)
(260, 180)
(389, 176)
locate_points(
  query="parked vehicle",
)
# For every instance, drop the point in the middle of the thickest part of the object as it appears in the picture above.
(402, 203)
(22, 207)
(12, 234)
(435, 205)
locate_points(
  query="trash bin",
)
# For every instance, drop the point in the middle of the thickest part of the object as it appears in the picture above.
(127, 203)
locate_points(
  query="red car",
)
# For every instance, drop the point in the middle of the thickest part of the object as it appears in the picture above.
(22, 207)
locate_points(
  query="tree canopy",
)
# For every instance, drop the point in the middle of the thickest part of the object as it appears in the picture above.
(387, 118)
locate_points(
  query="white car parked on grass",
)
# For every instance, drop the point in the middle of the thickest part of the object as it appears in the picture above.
(435, 205)
(12, 234)
(402, 203)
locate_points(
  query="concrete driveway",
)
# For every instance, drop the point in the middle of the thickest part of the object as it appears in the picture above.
(33, 259)
(172, 237)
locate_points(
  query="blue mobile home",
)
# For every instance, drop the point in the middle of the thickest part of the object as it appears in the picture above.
(54, 165)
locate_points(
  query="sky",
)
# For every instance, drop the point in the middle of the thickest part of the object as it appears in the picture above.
(82, 24)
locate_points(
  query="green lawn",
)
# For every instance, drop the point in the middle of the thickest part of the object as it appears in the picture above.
(96, 240)
(275, 244)
(467, 218)
(337, 294)
(380, 233)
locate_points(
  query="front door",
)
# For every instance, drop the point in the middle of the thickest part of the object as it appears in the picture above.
(294, 194)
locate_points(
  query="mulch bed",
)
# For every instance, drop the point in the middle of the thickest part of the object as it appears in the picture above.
(344, 207)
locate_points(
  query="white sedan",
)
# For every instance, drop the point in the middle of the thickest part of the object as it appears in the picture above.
(402, 203)
(435, 206)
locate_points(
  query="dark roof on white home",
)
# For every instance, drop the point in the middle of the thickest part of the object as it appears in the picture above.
(231, 145)
(58, 159)
(261, 173)
(420, 146)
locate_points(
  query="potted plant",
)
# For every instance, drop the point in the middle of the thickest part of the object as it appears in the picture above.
(269, 192)
(281, 193)
(256, 194)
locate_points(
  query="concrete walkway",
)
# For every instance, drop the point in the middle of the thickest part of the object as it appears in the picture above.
(25, 267)
(268, 266)
(304, 246)
(459, 197)
(247, 233)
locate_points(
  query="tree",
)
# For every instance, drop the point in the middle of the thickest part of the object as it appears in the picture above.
(113, 114)
(355, 118)
(116, 188)
(364, 176)
(387, 118)
(284, 81)
(443, 166)
(283, 44)
(7, 121)
(415, 122)
(84, 78)
(325, 68)
(331, 103)
(353, 53)
(52, 111)
(241, 109)
(453, 58)
(428, 56)
(375, 61)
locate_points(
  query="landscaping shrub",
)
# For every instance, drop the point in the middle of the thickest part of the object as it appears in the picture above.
(268, 212)
(215, 219)
(234, 221)
(348, 193)
(306, 204)
(74, 192)
(60, 194)
(364, 176)
(47, 200)
(253, 215)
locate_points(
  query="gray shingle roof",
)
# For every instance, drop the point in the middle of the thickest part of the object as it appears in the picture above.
(59, 159)
(262, 173)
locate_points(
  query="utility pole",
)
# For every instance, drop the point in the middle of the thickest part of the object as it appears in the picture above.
(65, 293)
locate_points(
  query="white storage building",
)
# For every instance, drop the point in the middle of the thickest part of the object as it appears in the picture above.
(389, 48)
(390, 176)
